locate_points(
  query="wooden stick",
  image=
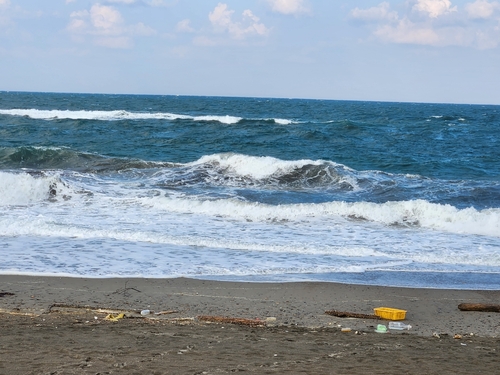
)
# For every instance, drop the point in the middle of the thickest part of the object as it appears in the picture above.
(479, 307)
(166, 312)
(240, 321)
(346, 314)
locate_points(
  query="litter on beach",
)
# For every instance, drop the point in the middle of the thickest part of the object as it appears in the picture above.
(347, 314)
(381, 328)
(114, 318)
(389, 313)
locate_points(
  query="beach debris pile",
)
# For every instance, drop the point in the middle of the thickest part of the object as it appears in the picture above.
(387, 313)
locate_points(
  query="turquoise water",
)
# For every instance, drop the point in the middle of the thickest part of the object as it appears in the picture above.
(250, 189)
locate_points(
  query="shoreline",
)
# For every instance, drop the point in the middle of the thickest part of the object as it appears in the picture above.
(56, 325)
(293, 304)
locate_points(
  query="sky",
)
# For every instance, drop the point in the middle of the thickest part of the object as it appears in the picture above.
(434, 51)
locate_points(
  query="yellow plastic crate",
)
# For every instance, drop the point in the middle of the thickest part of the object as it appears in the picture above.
(390, 313)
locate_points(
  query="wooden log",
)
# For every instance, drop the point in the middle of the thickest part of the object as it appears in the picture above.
(479, 307)
(346, 314)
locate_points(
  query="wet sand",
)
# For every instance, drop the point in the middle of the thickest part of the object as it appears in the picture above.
(54, 325)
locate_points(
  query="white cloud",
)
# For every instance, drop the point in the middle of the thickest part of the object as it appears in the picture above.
(107, 27)
(4, 3)
(77, 26)
(481, 9)
(221, 16)
(184, 26)
(392, 27)
(377, 13)
(288, 6)
(79, 14)
(221, 19)
(106, 19)
(141, 29)
(407, 32)
(434, 8)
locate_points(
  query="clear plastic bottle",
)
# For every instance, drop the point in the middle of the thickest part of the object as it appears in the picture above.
(399, 325)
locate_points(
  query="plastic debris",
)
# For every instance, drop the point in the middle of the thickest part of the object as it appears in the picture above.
(381, 328)
(114, 318)
(399, 326)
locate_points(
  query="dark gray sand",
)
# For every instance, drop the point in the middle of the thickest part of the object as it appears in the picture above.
(54, 325)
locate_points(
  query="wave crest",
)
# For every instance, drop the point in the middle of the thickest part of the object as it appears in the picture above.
(118, 115)
(18, 189)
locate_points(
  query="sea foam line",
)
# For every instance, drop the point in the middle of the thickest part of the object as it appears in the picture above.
(22, 189)
(117, 115)
(414, 213)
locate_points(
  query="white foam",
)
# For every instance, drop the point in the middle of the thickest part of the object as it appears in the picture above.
(22, 188)
(223, 119)
(418, 213)
(282, 121)
(257, 167)
(112, 115)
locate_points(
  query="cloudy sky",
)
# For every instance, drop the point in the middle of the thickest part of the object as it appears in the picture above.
(394, 50)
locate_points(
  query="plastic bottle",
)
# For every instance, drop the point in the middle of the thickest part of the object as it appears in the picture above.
(399, 325)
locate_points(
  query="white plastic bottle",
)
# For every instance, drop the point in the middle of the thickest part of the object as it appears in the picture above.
(399, 326)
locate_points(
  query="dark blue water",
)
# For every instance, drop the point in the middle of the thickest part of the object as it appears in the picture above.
(403, 187)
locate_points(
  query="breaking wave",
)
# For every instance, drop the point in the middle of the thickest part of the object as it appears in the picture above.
(117, 115)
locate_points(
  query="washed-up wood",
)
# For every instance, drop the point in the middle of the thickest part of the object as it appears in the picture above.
(166, 312)
(88, 307)
(239, 321)
(479, 307)
(347, 314)
(3, 294)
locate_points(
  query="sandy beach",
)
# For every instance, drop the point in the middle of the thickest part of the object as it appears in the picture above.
(55, 325)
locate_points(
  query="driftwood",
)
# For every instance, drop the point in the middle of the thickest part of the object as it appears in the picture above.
(88, 307)
(166, 312)
(3, 294)
(479, 307)
(346, 314)
(240, 321)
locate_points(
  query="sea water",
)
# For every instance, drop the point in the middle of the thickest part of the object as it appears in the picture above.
(250, 189)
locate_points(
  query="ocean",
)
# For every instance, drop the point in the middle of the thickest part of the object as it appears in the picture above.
(250, 189)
